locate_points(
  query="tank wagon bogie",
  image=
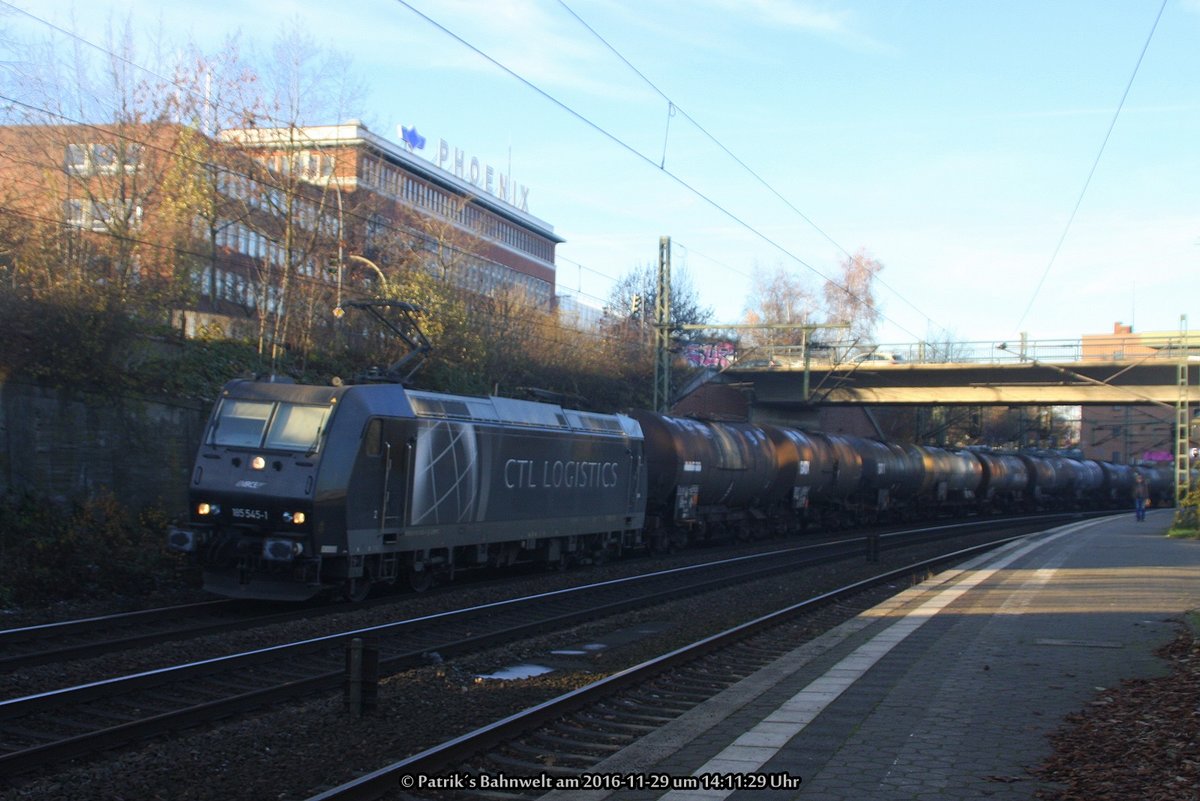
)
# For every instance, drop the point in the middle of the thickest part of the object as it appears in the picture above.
(299, 490)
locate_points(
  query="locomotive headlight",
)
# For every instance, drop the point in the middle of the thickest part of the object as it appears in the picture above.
(298, 518)
(205, 509)
(258, 463)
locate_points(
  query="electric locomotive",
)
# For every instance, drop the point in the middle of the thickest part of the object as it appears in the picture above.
(298, 490)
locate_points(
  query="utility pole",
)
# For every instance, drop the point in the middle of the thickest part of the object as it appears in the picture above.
(662, 329)
(1182, 417)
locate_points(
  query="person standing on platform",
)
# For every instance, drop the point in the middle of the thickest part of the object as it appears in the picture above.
(1139, 496)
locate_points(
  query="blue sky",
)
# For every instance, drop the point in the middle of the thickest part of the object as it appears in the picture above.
(949, 139)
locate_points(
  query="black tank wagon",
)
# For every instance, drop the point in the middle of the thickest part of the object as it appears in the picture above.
(705, 478)
(1006, 480)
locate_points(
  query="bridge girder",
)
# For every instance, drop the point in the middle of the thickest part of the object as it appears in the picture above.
(1104, 383)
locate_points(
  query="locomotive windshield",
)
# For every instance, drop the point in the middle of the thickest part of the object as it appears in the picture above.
(265, 424)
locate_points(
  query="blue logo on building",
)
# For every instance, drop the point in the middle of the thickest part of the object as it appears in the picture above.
(411, 138)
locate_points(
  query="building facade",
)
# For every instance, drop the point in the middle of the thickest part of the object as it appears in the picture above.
(380, 191)
(1134, 433)
(263, 221)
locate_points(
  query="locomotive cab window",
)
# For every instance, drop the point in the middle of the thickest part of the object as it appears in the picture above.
(240, 423)
(297, 427)
(263, 424)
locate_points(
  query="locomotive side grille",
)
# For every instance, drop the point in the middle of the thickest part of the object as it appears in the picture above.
(595, 422)
(438, 407)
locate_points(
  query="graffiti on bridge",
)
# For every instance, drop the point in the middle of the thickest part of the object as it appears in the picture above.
(714, 354)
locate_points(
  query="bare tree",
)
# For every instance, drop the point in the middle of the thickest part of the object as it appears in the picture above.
(91, 143)
(299, 230)
(642, 283)
(212, 187)
(779, 297)
(851, 299)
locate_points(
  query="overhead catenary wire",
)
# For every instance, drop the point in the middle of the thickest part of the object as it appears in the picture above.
(674, 108)
(1092, 172)
(578, 115)
(299, 131)
(1049, 266)
(623, 145)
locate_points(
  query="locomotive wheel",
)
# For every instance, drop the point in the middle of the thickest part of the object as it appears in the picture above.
(357, 590)
(420, 580)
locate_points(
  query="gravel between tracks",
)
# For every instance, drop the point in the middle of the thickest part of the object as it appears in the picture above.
(293, 752)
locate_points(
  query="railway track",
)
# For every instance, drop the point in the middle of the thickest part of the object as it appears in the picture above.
(81, 639)
(53, 643)
(64, 641)
(53, 726)
(562, 740)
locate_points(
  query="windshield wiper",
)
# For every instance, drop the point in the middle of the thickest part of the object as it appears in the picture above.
(315, 443)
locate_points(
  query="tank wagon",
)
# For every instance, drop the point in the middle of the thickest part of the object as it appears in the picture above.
(299, 490)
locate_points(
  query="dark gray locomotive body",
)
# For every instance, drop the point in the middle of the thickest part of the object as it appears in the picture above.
(299, 490)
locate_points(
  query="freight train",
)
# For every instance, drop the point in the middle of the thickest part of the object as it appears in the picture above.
(299, 490)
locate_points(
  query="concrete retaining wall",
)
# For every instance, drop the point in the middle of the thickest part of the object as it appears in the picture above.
(70, 445)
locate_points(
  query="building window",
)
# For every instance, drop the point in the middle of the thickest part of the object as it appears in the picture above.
(104, 159)
(77, 159)
(77, 213)
(102, 215)
(100, 159)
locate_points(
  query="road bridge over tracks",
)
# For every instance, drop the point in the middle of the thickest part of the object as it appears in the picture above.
(785, 385)
(1054, 373)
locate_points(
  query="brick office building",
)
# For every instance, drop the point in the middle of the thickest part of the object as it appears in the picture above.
(275, 216)
(1129, 433)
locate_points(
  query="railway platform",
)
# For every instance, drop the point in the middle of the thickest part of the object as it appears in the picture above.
(947, 691)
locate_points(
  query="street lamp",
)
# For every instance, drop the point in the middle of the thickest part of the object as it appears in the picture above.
(383, 282)
(338, 311)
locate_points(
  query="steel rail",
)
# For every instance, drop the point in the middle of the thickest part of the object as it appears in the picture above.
(456, 751)
(17, 711)
(327, 652)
